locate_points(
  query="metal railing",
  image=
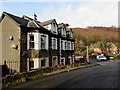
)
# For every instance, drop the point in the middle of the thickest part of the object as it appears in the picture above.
(12, 66)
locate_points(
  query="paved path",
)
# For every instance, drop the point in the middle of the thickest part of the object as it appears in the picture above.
(103, 76)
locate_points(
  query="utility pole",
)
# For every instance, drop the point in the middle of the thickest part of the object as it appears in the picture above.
(87, 56)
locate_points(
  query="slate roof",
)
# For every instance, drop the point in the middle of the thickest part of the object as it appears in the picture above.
(30, 19)
(67, 29)
(27, 17)
(47, 22)
(60, 26)
(18, 20)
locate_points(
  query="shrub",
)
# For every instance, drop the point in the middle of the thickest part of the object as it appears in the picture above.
(115, 56)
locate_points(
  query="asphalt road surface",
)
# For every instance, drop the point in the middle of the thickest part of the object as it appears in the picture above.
(106, 75)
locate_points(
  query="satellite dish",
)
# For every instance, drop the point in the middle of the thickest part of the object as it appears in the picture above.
(14, 46)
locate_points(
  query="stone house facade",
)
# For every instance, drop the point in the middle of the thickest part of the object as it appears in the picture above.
(33, 44)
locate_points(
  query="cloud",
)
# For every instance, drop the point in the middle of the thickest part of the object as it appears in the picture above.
(94, 13)
(83, 13)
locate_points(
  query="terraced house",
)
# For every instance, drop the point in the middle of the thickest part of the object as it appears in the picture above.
(31, 44)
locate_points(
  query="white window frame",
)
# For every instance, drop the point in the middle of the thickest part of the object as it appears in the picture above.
(70, 59)
(66, 45)
(43, 42)
(63, 60)
(54, 47)
(72, 45)
(54, 28)
(46, 41)
(36, 40)
(71, 35)
(63, 31)
(32, 41)
(56, 62)
(63, 44)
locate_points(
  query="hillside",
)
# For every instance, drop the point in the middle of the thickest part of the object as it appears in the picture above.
(91, 35)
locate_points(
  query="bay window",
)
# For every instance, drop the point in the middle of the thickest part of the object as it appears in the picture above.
(31, 42)
(63, 32)
(43, 42)
(65, 45)
(61, 45)
(68, 45)
(72, 46)
(54, 28)
(54, 43)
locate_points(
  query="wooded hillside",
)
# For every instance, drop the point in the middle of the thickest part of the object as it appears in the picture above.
(92, 35)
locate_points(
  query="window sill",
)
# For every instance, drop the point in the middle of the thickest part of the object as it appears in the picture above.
(43, 49)
(31, 48)
(54, 49)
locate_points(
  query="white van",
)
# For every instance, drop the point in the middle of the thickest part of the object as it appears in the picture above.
(101, 58)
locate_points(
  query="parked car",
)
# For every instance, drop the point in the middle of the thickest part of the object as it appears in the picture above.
(111, 57)
(101, 58)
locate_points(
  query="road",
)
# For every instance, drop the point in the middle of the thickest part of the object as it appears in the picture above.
(102, 76)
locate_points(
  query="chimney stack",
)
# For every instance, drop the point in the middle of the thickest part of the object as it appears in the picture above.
(34, 16)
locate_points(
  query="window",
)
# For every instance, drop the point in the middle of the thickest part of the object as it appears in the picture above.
(68, 45)
(54, 61)
(61, 45)
(31, 42)
(31, 38)
(63, 32)
(43, 42)
(72, 46)
(54, 25)
(31, 64)
(69, 60)
(70, 35)
(62, 61)
(65, 45)
(42, 63)
(54, 43)
(110, 49)
(54, 28)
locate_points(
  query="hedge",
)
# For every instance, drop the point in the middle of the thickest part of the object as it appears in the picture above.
(17, 78)
(115, 56)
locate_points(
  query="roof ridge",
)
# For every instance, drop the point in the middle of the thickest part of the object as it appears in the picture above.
(11, 14)
(27, 17)
(48, 20)
(18, 20)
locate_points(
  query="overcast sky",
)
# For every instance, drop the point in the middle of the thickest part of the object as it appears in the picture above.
(77, 13)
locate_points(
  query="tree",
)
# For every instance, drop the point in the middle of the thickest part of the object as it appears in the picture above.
(103, 45)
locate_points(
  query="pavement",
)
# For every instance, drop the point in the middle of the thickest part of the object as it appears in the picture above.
(105, 75)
